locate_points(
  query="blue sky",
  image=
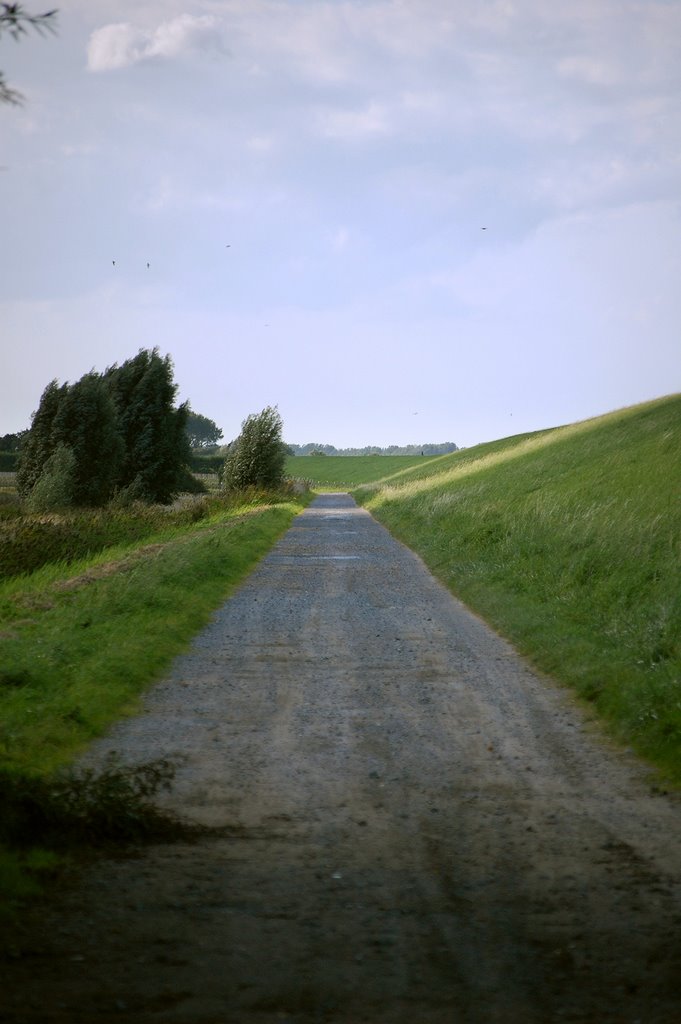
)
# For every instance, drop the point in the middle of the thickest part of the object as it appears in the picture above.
(400, 221)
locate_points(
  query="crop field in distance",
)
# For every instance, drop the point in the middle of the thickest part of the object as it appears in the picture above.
(351, 470)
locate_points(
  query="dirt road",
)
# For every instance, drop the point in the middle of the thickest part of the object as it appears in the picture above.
(419, 829)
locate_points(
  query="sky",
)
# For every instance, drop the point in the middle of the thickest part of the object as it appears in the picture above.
(399, 221)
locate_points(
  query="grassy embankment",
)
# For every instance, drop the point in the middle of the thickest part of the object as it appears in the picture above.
(568, 541)
(79, 641)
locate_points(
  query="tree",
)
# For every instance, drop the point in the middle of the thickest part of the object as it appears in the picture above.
(79, 419)
(12, 442)
(121, 431)
(201, 432)
(258, 456)
(38, 445)
(55, 486)
(155, 444)
(86, 424)
(17, 21)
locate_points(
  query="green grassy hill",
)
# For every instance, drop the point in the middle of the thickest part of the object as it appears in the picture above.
(569, 542)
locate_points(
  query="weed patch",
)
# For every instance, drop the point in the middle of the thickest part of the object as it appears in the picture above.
(28, 542)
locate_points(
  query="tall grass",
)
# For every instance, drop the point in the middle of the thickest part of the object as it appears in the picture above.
(569, 542)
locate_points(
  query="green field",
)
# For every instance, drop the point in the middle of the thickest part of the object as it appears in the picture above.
(342, 471)
(568, 541)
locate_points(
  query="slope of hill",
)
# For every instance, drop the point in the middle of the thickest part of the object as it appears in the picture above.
(569, 542)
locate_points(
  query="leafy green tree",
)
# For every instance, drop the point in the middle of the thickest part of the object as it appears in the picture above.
(12, 442)
(38, 445)
(80, 417)
(122, 429)
(16, 21)
(201, 432)
(258, 456)
(153, 430)
(86, 423)
(55, 487)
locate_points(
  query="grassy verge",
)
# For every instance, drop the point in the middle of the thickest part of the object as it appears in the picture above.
(569, 543)
(80, 642)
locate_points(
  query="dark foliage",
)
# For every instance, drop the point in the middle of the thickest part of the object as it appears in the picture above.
(201, 431)
(156, 448)
(123, 431)
(39, 443)
(206, 463)
(86, 423)
(12, 442)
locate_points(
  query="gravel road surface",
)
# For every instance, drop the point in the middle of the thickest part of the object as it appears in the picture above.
(418, 828)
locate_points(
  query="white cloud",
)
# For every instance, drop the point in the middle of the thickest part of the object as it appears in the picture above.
(589, 70)
(347, 125)
(120, 45)
(115, 46)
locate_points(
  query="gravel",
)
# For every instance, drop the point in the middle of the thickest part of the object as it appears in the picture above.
(411, 825)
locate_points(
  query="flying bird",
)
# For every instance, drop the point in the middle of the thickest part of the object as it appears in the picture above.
(114, 262)
(148, 265)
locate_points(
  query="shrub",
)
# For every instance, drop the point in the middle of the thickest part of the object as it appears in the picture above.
(258, 456)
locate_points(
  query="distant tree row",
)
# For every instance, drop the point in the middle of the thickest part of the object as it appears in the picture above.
(202, 433)
(116, 433)
(12, 442)
(393, 449)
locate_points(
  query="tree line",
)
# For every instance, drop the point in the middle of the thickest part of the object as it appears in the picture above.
(393, 449)
(119, 436)
(112, 433)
